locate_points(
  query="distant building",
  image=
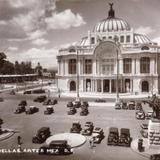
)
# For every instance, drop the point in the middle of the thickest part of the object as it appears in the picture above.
(98, 55)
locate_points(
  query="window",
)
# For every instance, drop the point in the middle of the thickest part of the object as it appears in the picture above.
(72, 66)
(122, 39)
(145, 65)
(92, 40)
(104, 38)
(110, 37)
(108, 66)
(127, 65)
(128, 38)
(88, 66)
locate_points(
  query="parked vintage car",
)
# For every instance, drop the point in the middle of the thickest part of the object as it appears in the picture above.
(70, 104)
(72, 111)
(131, 105)
(100, 100)
(149, 114)
(12, 92)
(77, 104)
(155, 157)
(85, 104)
(50, 102)
(23, 103)
(88, 128)
(38, 91)
(125, 138)
(124, 105)
(49, 110)
(118, 106)
(41, 136)
(139, 106)
(20, 109)
(27, 92)
(140, 114)
(56, 147)
(32, 109)
(84, 112)
(144, 130)
(113, 137)
(1, 99)
(97, 134)
(40, 99)
(76, 127)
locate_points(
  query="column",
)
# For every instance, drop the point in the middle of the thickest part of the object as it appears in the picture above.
(133, 66)
(120, 66)
(94, 67)
(66, 66)
(96, 85)
(152, 67)
(138, 66)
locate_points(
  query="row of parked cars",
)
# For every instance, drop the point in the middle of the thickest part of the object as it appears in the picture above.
(32, 109)
(119, 139)
(131, 105)
(78, 104)
(141, 115)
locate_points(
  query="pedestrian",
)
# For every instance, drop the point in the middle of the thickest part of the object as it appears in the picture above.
(59, 93)
(91, 142)
(19, 142)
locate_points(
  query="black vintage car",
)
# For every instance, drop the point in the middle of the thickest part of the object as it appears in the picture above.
(97, 135)
(76, 104)
(23, 103)
(88, 129)
(70, 104)
(50, 102)
(85, 104)
(38, 91)
(113, 137)
(27, 92)
(72, 111)
(124, 138)
(131, 105)
(49, 110)
(20, 109)
(76, 127)
(41, 136)
(56, 147)
(40, 99)
(155, 157)
(84, 112)
(32, 110)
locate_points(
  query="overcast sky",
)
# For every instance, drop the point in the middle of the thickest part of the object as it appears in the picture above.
(34, 30)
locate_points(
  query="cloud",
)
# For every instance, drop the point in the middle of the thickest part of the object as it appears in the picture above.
(12, 49)
(3, 22)
(64, 20)
(40, 41)
(144, 30)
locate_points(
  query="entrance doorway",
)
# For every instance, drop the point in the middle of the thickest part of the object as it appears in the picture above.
(145, 86)
(106, 85)
(72, 86)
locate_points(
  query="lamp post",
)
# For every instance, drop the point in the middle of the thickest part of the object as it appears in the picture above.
(77, 98)
(117, 77)
(152, 84)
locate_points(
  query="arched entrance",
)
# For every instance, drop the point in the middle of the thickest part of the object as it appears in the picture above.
(72, 86)
(145, 86)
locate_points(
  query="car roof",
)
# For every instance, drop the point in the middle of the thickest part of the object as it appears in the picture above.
(43, 129)
(97, 129)
(113, 129)
(125, 130)
(49, 107)
(31, 106)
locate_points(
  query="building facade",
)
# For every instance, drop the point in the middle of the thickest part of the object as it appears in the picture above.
(111, 55)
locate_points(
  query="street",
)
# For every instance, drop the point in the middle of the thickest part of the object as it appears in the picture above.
(60, 122)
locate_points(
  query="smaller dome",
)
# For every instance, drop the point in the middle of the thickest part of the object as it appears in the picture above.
(141, 39)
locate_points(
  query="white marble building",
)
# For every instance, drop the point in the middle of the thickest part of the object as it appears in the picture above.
(111, 51)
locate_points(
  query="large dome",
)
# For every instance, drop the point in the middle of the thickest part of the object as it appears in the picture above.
(111, 23)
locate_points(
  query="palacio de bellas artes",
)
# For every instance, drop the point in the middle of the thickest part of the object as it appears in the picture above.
(80, 80)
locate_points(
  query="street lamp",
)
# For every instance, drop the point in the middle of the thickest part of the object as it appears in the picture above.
(117, 77)
(77, 98)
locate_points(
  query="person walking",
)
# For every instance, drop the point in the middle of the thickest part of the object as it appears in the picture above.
(19, 142)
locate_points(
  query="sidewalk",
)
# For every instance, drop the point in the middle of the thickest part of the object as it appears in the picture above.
(147, 150)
